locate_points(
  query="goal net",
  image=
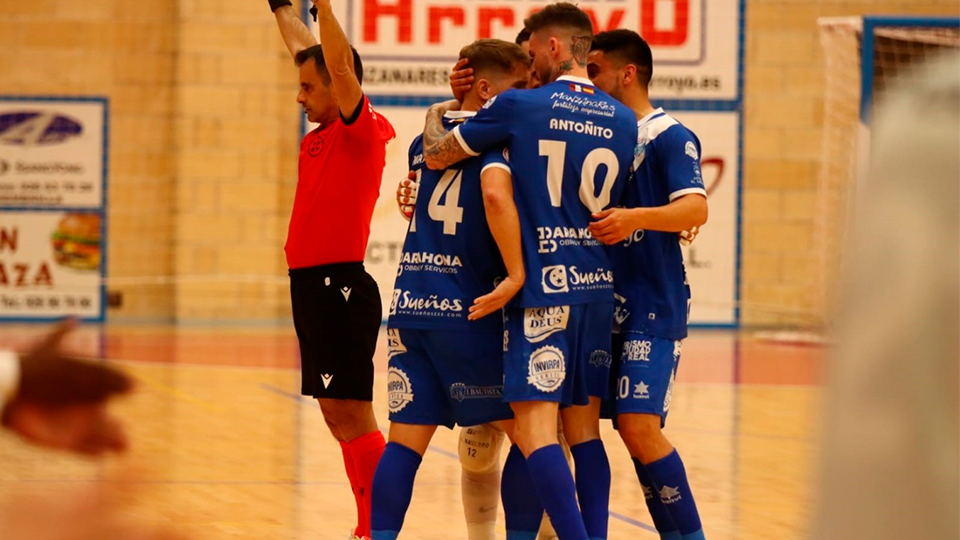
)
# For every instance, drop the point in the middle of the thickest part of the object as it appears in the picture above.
(864, 57)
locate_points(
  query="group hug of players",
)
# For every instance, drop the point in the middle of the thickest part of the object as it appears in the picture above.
(541, 278)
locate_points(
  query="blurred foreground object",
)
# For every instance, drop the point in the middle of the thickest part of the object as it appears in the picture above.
(88, 511)
(891, 449)
(61, 403)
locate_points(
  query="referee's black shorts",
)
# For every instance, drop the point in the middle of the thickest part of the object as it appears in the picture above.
(337, 314)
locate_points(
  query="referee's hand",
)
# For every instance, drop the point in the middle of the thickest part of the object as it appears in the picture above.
(407, 195)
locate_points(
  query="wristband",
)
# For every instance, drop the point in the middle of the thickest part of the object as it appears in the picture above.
(277, 4)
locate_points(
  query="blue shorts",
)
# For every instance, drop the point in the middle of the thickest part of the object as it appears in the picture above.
(445, 377)
(557, 353)
(642, 379)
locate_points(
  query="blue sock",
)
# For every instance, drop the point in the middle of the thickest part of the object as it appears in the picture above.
(658, 511)
(521, 504)
(392, 490)
(669, 476)
(593, 486)
(552, 478)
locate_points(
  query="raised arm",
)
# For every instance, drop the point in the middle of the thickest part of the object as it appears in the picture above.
(296, 36)
(338, 56)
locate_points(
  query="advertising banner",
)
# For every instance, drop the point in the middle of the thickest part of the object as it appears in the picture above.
(51, 153)
(52, 213)
(408, 46)
(50, 264)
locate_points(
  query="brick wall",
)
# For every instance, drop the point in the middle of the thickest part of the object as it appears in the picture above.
(783, 90)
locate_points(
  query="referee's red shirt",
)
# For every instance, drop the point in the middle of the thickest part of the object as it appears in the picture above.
(341, 166)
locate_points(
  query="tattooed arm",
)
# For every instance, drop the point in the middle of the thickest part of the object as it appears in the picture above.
(492, 127)
(440, 147)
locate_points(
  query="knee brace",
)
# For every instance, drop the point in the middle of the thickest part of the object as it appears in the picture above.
(479, 448)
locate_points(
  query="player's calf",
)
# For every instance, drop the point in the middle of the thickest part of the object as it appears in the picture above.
(479, 450)
(393, 481)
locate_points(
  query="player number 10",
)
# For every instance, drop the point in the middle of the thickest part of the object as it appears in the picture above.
(556, 154)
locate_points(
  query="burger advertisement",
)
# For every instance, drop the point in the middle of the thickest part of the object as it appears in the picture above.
(51, 264)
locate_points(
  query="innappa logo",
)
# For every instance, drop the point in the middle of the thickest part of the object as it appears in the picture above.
(37, 128)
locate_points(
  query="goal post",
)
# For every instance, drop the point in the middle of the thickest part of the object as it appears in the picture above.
(864, 57)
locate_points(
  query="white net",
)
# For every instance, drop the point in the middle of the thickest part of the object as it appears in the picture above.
(845, 138)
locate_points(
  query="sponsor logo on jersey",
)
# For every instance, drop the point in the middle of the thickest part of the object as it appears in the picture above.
(583, 104)
(407, 301)
(394, 301)
(600, 358)
(591, 279)
(539, 323)
(394, 345)
(634, 238)
(551, 238)
(460, 392)
(690, 149)
(641, 390)
(399, 390)
(637, 350)
(555, 279)
(421, 261)
(547, 369)
(620, 311)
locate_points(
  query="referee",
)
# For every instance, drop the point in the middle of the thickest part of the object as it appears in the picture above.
(336, 304)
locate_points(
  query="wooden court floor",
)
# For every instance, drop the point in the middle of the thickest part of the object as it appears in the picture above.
(223, 446)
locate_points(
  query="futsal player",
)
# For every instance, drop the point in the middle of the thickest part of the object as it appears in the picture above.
(461, 263)
(479, 445)
(665, 196)
(570, 151)
(336, 303)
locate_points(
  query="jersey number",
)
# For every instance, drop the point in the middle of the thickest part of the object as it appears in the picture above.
(449, 212)
(556, 154)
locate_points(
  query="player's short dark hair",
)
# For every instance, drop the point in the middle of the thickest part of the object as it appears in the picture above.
(560, 15)
(628, 47)
(494, 55)
(523, 36)
(316, 53)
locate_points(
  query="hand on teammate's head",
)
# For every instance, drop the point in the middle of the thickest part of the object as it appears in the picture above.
(461, 79)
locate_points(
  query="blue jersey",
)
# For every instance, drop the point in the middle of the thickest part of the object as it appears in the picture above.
(653, 296)
(571, 149)
(449, 257)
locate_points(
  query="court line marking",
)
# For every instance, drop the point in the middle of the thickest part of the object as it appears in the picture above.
(300, 399)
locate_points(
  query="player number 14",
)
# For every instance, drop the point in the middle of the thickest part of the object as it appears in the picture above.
(556, 154)
(449, 212)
